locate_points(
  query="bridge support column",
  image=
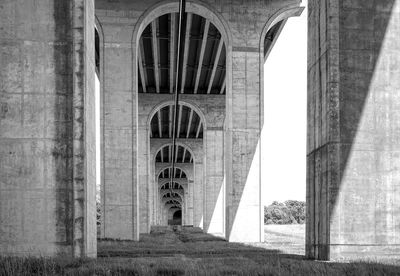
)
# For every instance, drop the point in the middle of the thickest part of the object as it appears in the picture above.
(47, 155)
(243, 181)
(198, 195)
(353, 190)
(119, 186)
(214, 192)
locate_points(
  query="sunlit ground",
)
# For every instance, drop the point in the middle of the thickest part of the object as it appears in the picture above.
(286, 238)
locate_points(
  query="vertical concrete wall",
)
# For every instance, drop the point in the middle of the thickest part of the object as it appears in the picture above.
(353, 133)
(84, 139)
(247, 22)
(119, 198)
(145, 184)
(243, 131)
(214, 188)
(46, 175)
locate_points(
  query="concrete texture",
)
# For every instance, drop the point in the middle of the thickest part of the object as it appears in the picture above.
(353, 130)
(47, 191)
(212, 109)
(47, 126)
(119, 192)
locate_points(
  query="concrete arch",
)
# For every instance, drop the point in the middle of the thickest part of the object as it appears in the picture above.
(166, 200)
(165, 181)
(176, 191)
(281, 14)
(196, 7)
(181, 102)
(177, 144)
(176, 167)
(166, 192)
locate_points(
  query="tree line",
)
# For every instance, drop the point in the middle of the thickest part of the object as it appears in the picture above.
(288, 212)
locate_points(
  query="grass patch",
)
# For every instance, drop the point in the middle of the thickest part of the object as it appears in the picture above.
(188, 251)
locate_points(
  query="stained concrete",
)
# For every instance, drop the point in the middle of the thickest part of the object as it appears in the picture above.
(231, 178)
(47, 127)
(47, 185)
(352, 187)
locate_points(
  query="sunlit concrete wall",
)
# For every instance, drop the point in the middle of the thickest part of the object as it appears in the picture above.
(47, 178)
(353, 190)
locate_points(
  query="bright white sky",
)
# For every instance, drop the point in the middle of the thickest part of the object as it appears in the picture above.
(285, 109)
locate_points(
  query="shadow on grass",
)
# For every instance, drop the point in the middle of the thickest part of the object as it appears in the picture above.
(189, 251)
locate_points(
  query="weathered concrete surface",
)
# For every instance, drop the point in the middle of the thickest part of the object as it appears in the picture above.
(353, 191)
(196, 147)
(241, 25)
(212, 109)
(119, 197)
(47, 204)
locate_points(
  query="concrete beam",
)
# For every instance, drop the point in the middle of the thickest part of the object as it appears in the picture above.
(162, 155)
(179, 121)
(223, 86)
(201, 57)
(159, 123)
(170, 119)
(198, 130)
(220, 45)
(189, 123)
(142, 70)
(172, 53)
(186, 50)
(154, 30)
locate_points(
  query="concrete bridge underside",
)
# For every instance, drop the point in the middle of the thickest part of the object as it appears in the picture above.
(49, 57)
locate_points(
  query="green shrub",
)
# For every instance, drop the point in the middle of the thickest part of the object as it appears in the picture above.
(289, 212)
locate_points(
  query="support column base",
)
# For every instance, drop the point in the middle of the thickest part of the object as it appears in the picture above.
(353, 252)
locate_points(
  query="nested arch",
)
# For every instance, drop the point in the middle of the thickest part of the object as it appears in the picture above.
(166, 173)
(182, 154)
(190, 124)
(191, 121)
(175, 185)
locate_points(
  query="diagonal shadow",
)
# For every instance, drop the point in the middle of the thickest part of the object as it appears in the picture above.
(352, 156)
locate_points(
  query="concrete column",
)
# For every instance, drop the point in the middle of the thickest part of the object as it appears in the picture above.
(198, 195)
(187, 216)
(120, 99)
(47, 172)
(214, 193)
(145, 182)
(353, 191)
(190, 201)
(243, 200)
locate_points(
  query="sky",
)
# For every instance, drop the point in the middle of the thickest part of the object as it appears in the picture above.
(285, 115)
